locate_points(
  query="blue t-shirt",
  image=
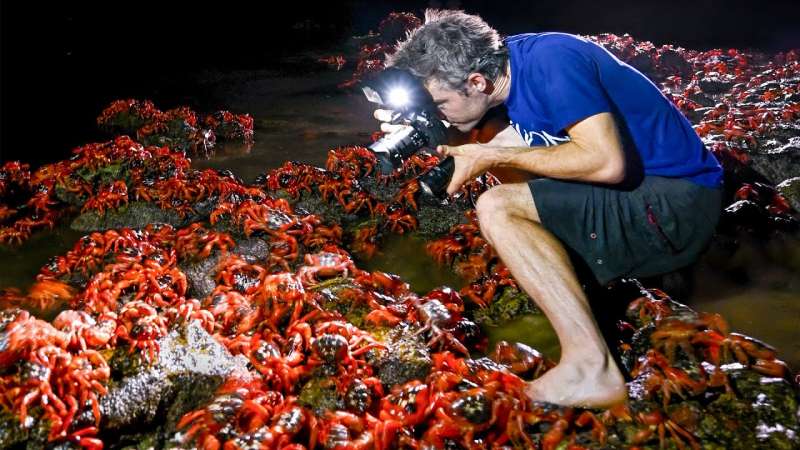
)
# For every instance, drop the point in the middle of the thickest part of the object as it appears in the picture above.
(558, 79)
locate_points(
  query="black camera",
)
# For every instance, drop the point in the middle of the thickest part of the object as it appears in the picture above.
(412, 105)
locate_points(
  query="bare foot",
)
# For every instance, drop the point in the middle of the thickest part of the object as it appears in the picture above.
(581, 384)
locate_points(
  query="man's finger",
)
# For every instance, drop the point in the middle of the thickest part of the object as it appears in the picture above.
(389, 128)
(448, 150)
(383, 115)
(453, 187)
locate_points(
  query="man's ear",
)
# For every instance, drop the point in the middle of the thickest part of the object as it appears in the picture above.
(479, 83)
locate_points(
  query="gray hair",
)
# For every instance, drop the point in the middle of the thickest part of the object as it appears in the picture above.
(450, 46)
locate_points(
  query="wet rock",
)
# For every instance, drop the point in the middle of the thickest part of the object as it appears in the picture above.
(11, 433)
(790, 189)
(181, 136)
(333, 297)
(190, 367)
(406, 359)
(778, 158)
(133, 215)
(141, 441)
(643, 62)
(320, 395)
(251, 249)
(331, 212)
(672, 61)
(435, 219)
(200, 274)
(716, 84)
(702, 99)
(750, 216)
(511, 304)
(762, 413)
(640, 343)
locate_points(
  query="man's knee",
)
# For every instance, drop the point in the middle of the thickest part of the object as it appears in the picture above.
(513, 200)
(489, 203)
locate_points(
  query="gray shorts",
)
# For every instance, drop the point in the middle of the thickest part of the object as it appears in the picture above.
(659, 227)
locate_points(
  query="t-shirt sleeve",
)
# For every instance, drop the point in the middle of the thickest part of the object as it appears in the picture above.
(568, 82)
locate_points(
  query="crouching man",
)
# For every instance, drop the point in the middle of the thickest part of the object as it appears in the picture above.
(615, 174)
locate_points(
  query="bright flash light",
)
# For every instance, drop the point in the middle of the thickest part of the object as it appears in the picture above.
(398, 97)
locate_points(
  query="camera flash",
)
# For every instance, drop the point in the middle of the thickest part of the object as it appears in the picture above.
(398, 97)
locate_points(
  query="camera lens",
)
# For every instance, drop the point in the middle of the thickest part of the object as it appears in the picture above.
(434, 182)
(395, 147)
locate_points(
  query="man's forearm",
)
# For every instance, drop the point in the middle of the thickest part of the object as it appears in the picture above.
(567, 161)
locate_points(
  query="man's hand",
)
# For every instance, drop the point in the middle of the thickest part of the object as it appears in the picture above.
(385, 117)
(471, 160)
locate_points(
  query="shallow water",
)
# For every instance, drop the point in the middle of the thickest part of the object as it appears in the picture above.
(297, 118)
(18, 267)
(757, 290)
(406, 257)
(302, 115)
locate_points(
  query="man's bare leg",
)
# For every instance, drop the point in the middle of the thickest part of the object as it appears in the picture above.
(586, 374)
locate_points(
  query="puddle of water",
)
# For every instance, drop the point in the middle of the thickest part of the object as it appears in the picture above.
(757, 290)
(533, 330)
(772, 316)
(20, 265)
(295, 119)
(406, 257)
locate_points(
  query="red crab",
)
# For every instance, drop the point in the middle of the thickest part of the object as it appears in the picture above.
(111, 197)
(141, 326)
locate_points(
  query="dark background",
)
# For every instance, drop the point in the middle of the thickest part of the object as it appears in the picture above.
(61, 64)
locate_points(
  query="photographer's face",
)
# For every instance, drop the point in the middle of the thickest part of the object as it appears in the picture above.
(463, 111)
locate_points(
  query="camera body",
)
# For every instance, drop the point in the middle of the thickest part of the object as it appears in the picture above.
(413, 106)
(423, 130)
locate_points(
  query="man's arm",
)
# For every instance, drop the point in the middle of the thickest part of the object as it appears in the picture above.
(594, 154)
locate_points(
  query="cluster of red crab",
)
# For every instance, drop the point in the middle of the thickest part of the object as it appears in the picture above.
(685, 355)
(761, 98)
(178, 128)
(470, 403)
(102, 177)
(25, 203)
(656, 62)
(739, 95)
(473, 259)
(59, 370)
(372, 53)
(290, 339)
(465, 403)
(125, 289)
(344, 184)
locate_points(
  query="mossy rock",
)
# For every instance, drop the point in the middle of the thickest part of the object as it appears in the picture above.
(511, 304)
(790, 188)
(320, 395)
(190, 366)
(132, 215)
(406, 359)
